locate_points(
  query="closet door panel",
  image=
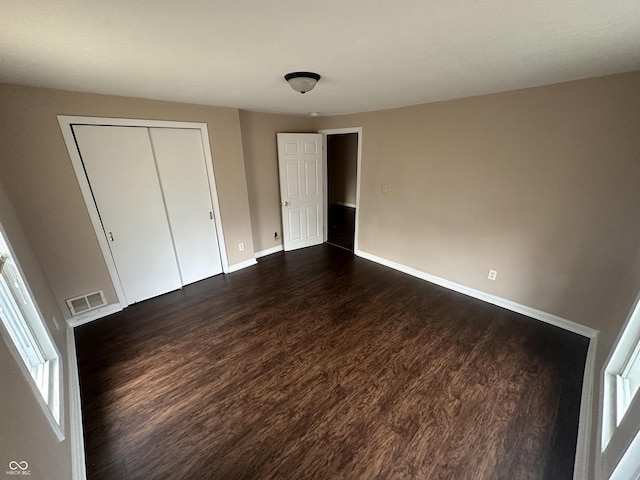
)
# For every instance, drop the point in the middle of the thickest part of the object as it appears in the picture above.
(183, 177)
(121, 171)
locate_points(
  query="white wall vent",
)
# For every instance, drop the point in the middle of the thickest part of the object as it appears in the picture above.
(87, 302)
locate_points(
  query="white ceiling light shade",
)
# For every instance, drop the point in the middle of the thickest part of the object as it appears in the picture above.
(302, 81)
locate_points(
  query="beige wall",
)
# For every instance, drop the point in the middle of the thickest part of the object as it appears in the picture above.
(25, 433)
(39, 177)
(342, 162)
(542, 184)
(261, 163)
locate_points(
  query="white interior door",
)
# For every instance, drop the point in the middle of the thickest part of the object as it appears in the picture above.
(301, 180)
(181, 167)
(121, 170)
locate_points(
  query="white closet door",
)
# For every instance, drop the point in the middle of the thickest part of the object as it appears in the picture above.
(182, 170)
(122, 173)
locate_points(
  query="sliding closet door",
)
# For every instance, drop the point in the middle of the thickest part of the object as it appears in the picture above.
(183, 177)
(121, 170)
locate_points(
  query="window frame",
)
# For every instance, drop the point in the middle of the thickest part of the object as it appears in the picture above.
(617, 397)
(45, 377)
(626, 390)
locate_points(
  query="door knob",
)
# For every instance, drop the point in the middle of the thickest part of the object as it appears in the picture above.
(286, 204)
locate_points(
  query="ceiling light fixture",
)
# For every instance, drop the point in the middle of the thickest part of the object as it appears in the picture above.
(302, 81)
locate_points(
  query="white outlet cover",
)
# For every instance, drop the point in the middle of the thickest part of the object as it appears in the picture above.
(492, 274)
(241, 247)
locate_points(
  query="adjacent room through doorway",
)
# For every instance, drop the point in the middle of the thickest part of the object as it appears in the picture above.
(342, 164)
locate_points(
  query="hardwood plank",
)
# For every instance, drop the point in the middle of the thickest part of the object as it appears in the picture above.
(317, 364)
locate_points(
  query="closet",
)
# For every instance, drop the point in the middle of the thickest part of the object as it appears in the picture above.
(152, 193)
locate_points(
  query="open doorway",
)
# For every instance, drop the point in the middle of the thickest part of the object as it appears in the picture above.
(342, 147)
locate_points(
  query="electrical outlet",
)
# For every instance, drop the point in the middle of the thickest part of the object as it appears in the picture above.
(275, 235)
(55, 322)
(492, 274)
(241, 247)
(385, 188)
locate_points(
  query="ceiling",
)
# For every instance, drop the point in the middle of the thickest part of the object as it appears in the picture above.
(372, 54)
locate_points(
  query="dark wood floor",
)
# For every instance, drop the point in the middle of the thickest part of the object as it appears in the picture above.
(342, 226)
(316, 364)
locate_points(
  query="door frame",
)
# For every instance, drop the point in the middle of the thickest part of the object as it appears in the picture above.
(67, 121)
(325, 180)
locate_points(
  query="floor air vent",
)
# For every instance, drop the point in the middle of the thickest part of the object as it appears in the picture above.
(86, 302)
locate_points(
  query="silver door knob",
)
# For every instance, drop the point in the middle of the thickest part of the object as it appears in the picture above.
(286, 204)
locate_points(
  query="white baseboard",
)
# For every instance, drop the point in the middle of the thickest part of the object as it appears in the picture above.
(486, 297)
(583, 446)
(269, 251)
(76, 434)
(94, 314)
(241, 265)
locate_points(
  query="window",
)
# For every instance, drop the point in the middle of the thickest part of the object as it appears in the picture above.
(628, 382)
(26, 331)
(622, 376)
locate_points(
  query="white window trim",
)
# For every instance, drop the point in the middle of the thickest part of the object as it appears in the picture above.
(620, 431)
(53, 406)
(627, 468)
